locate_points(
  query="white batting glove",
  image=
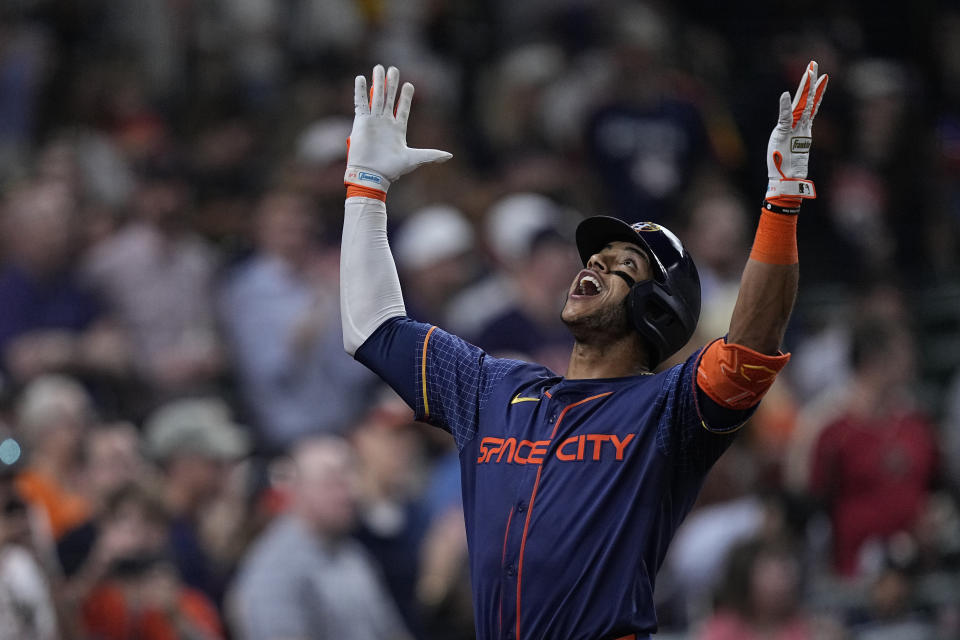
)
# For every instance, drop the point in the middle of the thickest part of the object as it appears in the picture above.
(377, 151)
(788, 150)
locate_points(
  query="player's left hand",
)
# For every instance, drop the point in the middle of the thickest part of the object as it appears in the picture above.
(788, 150)
(377, 152)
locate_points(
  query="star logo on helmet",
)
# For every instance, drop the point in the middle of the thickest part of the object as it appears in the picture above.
(646, 226)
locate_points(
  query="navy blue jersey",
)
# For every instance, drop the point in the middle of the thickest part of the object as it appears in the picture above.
(572, 489)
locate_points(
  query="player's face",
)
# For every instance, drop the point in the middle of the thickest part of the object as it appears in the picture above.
(595, 300)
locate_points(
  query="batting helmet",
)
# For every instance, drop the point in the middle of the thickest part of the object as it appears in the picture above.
(665, 309)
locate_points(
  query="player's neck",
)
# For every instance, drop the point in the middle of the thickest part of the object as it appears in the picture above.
(616, 359)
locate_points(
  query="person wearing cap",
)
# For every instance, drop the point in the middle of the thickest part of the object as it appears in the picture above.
(54, 416)
(525, 232)
(194, 441)
(573, 485)
(434, 249)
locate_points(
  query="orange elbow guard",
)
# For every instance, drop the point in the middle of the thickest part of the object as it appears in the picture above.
(736, 377)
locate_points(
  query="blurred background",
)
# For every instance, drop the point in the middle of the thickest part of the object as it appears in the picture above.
(170, 351)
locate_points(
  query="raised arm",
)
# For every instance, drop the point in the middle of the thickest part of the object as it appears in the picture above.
(377, 155)
(735, 373)
(769, 283)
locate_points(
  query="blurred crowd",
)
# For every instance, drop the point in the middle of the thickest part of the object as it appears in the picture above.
(187, 452)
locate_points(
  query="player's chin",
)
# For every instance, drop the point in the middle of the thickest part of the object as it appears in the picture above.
(580, 305)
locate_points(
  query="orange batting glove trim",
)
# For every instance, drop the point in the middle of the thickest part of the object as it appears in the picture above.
(776, 239)
(355, 191)
(735, 376)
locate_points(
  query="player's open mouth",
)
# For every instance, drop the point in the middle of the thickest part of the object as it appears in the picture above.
(587, 284)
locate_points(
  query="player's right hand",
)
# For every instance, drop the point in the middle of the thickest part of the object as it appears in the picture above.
(788, 150)
(377, 151)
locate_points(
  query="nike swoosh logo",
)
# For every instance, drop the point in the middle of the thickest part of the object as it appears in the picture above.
(518, 398)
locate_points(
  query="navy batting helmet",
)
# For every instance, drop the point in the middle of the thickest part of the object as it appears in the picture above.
(664, 310)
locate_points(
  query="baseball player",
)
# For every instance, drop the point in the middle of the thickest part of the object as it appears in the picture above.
(574, 485)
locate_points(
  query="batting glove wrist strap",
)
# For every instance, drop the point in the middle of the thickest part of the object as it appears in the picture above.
(791, 188)
(788, 150)
(776, 208)
(362, 181)
(377, 151)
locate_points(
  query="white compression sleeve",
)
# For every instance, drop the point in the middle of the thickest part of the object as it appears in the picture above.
(369, 284)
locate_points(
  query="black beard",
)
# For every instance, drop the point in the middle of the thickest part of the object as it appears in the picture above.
(605, 325)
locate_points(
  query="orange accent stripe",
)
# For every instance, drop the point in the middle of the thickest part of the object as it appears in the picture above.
(357, 191)
(533, 496)
(548, 394)
(423, 373)
(503, 557)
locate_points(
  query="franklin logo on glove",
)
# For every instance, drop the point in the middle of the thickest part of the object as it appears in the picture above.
(801, 145)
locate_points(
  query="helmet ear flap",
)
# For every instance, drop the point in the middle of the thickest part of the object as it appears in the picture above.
(659, 318)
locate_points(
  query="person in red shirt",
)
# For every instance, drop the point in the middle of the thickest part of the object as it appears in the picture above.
(875, 459)
(146, 600)
(141, 596)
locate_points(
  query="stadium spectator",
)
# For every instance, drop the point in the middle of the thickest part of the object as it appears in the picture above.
(50, 322)
(53, 416)
(281, 318)
(875, 460)
(132, 521)
(157, 274)
(27, 605)
(891, 613)
(759, 598)
(194, 441)
(434, 250)
(729, 512)
(525, 233)
(392, 518)
(443, 590)
(304, 577)
(112, 460)
(133, 587)
(26, 54)
(645, 139)
(716, 232)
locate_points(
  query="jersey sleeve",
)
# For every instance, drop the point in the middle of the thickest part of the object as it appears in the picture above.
(444, 379)
(694, 429)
